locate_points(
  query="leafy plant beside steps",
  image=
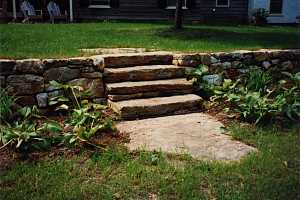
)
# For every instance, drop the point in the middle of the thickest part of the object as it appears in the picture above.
(257, 97)
(33, 131)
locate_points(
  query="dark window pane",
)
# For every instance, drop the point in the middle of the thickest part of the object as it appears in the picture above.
(100, 2)
(222, 2)
(173, 3)
(275, 6)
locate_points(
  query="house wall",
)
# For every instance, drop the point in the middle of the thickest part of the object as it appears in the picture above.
(203, 10)
(291, 9)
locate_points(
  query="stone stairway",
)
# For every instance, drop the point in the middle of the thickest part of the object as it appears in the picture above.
(149, 89)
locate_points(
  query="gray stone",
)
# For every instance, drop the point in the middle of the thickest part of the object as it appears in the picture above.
(243, 71)
(275, 61)
(25, 84)
(226, 65)
(236, 64)
(266, 64)
(61, 74)
(94, 87)
(7, 67)
(92, 75)
(30, 66)
(98, 62)
(261, 56)
(81, 61)
(213, 60)
(197, 134)
(42, 100)
(54, 63)
(214, 79)
(287, 65)
(2, 81)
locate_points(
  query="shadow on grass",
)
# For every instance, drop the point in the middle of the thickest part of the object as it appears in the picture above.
(235, 36)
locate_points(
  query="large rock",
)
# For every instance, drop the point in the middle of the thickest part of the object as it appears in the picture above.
(148, 86)
(261, 56)
(7, 67)
(144, 73)
(197, 134)
(53, 63)
(42, 100)
(25, 84)
(134, 59)
(81, 61)
(287, 65)
(213, 79)
(61, 74)
(30, 66)
(94, 87)
(141, 108)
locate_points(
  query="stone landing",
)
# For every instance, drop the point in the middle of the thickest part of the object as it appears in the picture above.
(197, 134)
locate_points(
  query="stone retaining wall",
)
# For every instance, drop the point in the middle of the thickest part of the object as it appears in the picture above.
(29, 79)
(231, 65)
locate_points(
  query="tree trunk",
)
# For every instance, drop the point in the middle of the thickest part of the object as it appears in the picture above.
(178, 14)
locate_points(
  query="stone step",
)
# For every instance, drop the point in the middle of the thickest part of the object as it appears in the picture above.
(121, 97)
(143, 73)
(135, 59)
(126, 88)
(159, 106)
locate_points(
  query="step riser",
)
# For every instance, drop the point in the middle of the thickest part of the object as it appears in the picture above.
(144, 89)
(149, 95)
(146, 75)
(157, 110)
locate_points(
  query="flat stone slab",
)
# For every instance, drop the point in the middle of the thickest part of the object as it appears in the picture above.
(197, 134)
(144, 73)
(158, 106)
(149, 86)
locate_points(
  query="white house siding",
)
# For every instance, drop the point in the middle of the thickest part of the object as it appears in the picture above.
(290, 10)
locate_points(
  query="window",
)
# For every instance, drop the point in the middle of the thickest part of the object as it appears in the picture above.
(99, 4)
(222, 3)
(275, 6)
(171, 4)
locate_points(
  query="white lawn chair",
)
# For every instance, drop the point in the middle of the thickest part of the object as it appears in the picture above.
(29, 12)
(55, 13)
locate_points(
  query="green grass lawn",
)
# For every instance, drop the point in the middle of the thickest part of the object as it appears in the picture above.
(271, 174)
(64, 40)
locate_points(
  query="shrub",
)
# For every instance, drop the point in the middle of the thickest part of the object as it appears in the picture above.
(259, 16)
(256, 96)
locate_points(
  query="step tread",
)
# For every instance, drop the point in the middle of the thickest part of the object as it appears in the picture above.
(144, 73)
(158, 101)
